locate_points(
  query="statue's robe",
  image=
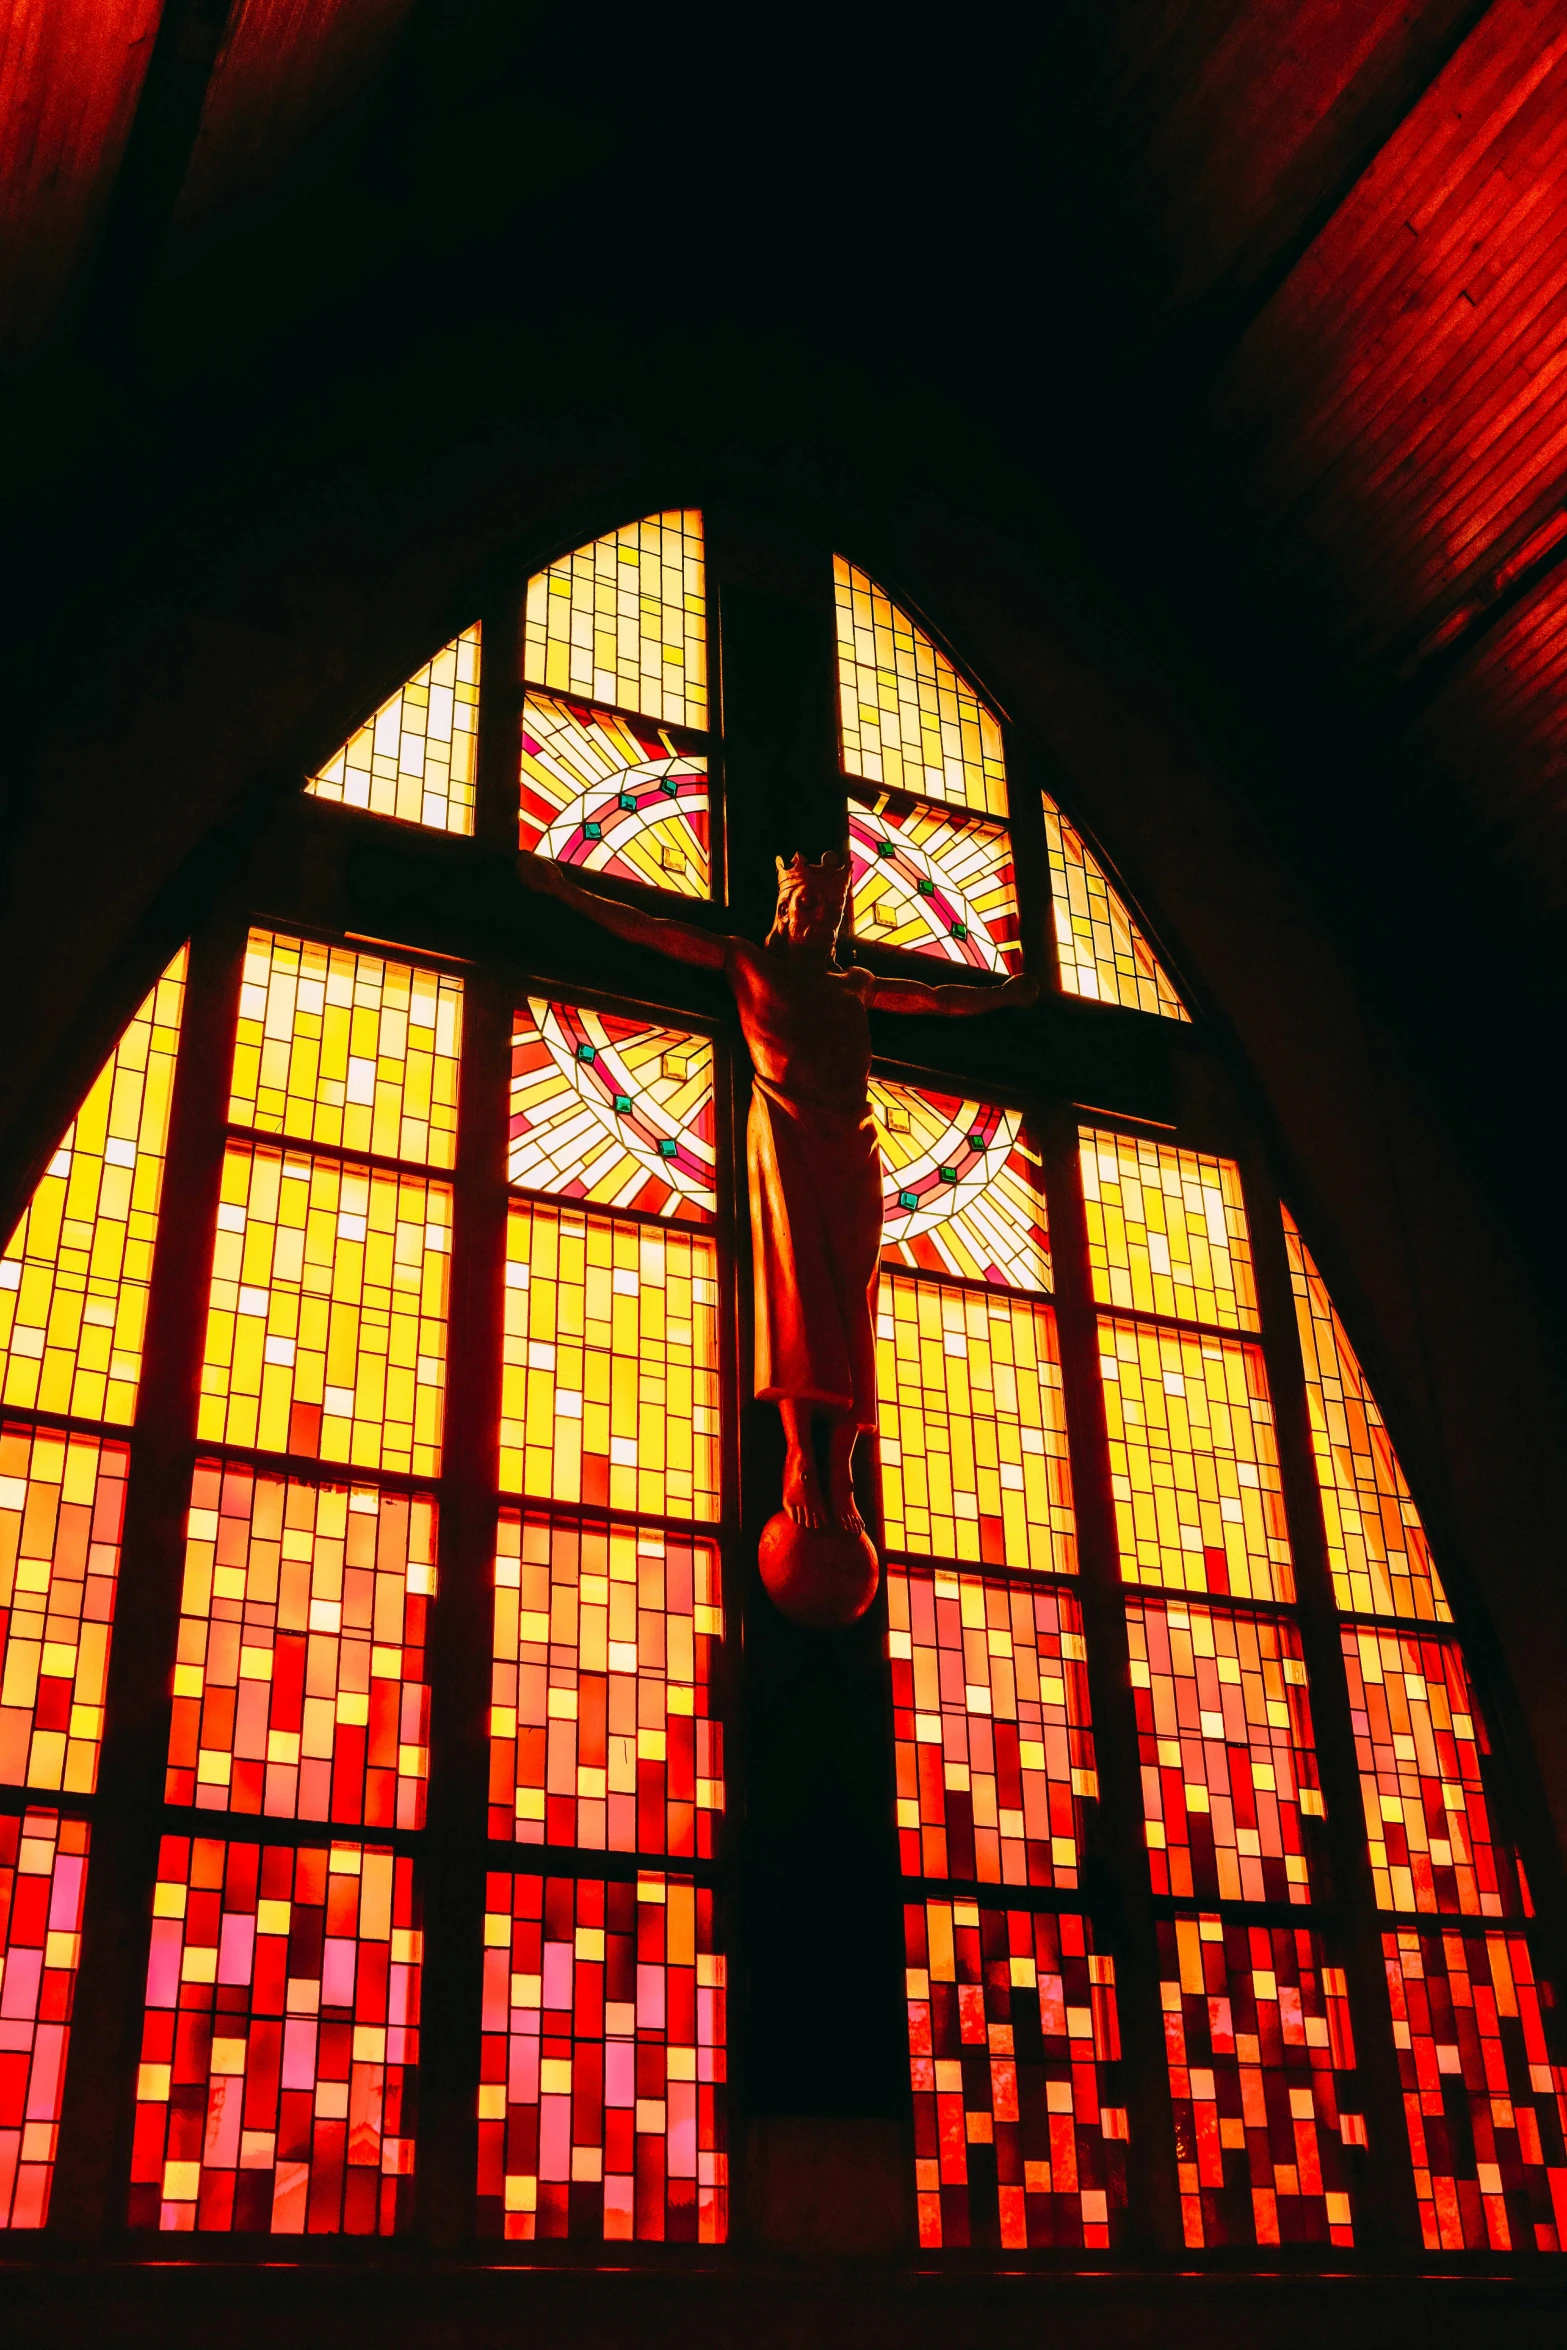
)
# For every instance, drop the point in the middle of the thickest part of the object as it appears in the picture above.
(815, 1173)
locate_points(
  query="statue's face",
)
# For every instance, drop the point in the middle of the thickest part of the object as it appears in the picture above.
(808, 919)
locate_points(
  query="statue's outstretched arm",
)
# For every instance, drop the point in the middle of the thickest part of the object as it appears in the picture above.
(681, 940)
(951, 1003)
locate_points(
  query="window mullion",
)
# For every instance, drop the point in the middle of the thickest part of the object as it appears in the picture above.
(500, 725)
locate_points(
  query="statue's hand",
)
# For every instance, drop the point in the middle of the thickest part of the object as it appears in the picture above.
(1021, 988)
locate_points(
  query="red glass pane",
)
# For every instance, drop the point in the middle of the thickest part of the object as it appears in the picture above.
(1225, 1740)
(1485, 2103)
(281, 2040)
(1419, 1738)
(43, 1875)
(601, 2111)
(990, 1713)
(1012, 2031)
(1261, 2066)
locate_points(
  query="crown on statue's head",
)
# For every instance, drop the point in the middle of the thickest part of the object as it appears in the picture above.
(827, 882)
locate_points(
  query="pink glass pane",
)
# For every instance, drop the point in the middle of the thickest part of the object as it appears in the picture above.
(601, 2111)
(43, 1875)
(1012, 2029)
(990, 1714)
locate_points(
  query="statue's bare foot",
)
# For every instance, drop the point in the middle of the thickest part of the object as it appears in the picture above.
(840, 1480)
(802, 1494)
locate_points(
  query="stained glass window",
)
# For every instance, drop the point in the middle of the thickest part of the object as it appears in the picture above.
(1262, 2073)
(624, 621)
(615, 1112)
(908, 720)
(62, 1499)
(415, 759)
(601, 2112)
(1167, 1231)
(1100, 951)
(934, 883)
(74, 1274)
(281, 2039)
(613, 794)
(43, 1875)
(964, 1189)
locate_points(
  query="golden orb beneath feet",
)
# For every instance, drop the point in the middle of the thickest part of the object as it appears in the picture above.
(821, 1580)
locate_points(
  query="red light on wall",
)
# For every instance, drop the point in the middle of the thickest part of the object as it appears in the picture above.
(1538, 543)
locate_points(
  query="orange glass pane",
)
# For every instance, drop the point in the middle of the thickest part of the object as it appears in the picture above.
(624, 620)
(995, 1760)
(299, 1689)
(963, 1188)
(1167, 1231)
(415, 758)
(908, 720)
(347, 1049)
(62, 1501)
(973, 1428)
(1100, 951)
(601, 1734)
(612, 794)
(614, 1112)
(610, 1381)
(280, 2044)
(327, 1330)
(1262, 2068)
(43, 1877)
(1381, 1561)
(1228, 1759)
(1194, 1469)
(601, 2101)
(1419, 1738)
(1485, 2092)
(1014, 2049)
(933, 884)
(74, 1274)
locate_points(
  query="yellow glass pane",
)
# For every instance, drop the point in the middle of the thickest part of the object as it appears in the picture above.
(908, 720)
(1382, 1563)
(1193, 1465)
(610, 1384)
(415, 758)
(1167, 1231)
(614, 1112)
(613, 794)
(344, 1048)
(624, 620)
(75, 1272)
(963, 1188)
(326, 1335)
(1100, 950)
(973, 1428)
(934, 884)
(62, 1499)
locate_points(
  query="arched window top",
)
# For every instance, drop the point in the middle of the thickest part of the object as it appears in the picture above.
(415, 758)
(623, 621)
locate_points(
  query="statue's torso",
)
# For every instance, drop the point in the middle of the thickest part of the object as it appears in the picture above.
(806, 1027)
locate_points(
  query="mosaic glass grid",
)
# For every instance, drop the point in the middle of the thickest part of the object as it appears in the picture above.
(1228, 1759)
(1262, 2078)
(43, 1877)
(343, 1048)
(602, 1734)
(326, 1335)
(624, 620)
(1419, 1738)
(62, 1504)
(276, 2090)
(933, 884)
(1193, 1466)
(1377, 1547)
(974, 1463)
(611, 794)
(1100, 951)
(964, 1189)
(1014, 2049)
(908, 720)
(615, 1112)
(415, 759)
(299, 1689)
(995, 1759)
(1167, 1231)
(601, 2104)
(609, 1392)
(1484, 2100)
(74, 1274)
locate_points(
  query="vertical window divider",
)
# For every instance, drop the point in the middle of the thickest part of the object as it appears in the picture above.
(98, 2110)
(1388, 2212)
(1031, 867)
(497, 759)
(1153, 2199)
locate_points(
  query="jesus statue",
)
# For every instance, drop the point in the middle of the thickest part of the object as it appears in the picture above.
(811, 1152)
